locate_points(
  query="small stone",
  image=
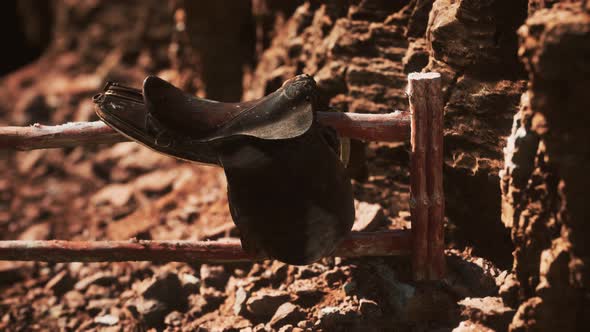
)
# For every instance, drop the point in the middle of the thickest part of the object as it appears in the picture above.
(75, 268)
(209, 299)
(329, 317)
(240, 302)
(501, 278)
(368, 216)
(287, 313)
(165, 287)
(279, 271)
(214, 276)
(369, 308)
(173, 319)
(157, 181)
(212, 294)
(60, 283)
(96, 291)
(56, 311)
(98, 305)
(152, 311)
(257, 270)
(36, 232)
(74, 299)
(264, 303)
(310, 271)
(88, 324)
(327, 311)
(254, 283)
(307, 292)
(334, 275)
(190, 283)
(109, 320)
(11, 271)
(489, 311)
(509, 291)
(159, 296)
(286, 328)
(73, 323)
(62, 323)
(304, 324)
(260, 328)
(100, 278)
(116, 195)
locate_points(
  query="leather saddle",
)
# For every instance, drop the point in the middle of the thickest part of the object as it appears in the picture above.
(288, 192)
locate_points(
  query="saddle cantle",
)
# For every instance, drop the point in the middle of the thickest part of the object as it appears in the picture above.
(288, 192)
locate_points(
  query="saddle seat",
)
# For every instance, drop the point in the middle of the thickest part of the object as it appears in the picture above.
(283, 114)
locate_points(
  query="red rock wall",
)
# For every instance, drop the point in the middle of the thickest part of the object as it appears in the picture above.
(473, 44)
(545, 181)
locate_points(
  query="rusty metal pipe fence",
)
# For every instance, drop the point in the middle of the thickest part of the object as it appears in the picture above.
(424, 242)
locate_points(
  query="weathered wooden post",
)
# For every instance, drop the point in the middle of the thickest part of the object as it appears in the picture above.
(426, 186)
(434, 174)
(417, 87)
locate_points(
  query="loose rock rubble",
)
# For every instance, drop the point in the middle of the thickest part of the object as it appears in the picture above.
(488, 311)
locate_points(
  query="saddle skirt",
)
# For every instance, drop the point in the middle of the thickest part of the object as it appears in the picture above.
(288, 192)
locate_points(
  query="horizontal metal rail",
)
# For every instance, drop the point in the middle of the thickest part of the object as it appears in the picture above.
(390, 127)
(384, 243)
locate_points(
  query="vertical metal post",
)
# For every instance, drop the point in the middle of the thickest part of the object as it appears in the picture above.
(418, 184)
(434, 171)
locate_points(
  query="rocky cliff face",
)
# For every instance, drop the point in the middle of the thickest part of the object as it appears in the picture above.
(473, 43)
(354, 52)
(545, 180)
